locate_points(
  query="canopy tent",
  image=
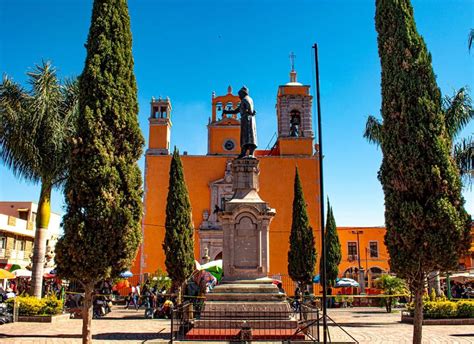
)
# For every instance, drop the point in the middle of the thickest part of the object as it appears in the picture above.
(346, 282)
(22, 273)
(4, 274)
(214, 267)
(10, 267)
(462, 276)
(126, 274)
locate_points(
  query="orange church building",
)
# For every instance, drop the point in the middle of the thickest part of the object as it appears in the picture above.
(209, 177)
(209, 181)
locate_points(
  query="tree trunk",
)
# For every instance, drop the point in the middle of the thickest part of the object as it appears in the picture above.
(388, 304)
(39, 251)
(87, 313)
(418, 318)
(435, 283)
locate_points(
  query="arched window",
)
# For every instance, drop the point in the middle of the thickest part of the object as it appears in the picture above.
(351, 272)
(295, 123)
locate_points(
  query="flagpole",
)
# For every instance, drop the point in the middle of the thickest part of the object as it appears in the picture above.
(321, 200)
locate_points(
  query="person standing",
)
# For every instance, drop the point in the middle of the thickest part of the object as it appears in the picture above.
(137, 296)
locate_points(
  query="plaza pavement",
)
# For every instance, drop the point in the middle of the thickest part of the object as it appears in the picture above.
(367, 325)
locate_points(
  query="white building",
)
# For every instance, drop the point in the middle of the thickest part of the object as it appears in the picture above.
(17, 234)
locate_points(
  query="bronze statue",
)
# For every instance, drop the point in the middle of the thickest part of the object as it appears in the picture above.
(248, 127)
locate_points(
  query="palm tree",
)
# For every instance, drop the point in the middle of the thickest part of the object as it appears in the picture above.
(35, 127)
(458, 112)
(464, 156)
(391, 285)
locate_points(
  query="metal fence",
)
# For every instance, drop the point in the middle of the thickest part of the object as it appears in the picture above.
(189, 323)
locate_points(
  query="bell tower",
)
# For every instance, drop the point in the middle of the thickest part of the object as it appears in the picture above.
(160, 126)
(223, 130)
(295, 121)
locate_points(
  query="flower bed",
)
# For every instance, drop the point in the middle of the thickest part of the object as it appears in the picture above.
(31, 306)
(445, 309)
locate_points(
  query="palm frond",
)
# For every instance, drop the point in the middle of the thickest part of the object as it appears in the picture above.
(36, 125)
(373, 130)
(45, 92)
(464, 157)
(458, 112)
(17, 150)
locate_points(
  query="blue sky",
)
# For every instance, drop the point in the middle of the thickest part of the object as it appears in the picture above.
(187, 49)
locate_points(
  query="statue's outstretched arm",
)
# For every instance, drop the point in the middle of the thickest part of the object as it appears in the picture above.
(231, 112)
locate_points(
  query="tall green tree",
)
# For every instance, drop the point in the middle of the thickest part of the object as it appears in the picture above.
(457, 114)
(424, 209)
(104, 187)
(302, 253)
(35, 128)
(179, 236)
(333, 249)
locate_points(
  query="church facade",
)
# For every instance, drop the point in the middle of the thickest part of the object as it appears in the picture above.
(209, 180)
(209, 177)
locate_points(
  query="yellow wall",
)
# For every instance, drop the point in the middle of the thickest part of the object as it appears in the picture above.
(219, 134)
(295, 146)
(159, 136)
(276, 187)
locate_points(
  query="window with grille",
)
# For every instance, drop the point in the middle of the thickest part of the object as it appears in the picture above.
(352, 248)
(374, 249)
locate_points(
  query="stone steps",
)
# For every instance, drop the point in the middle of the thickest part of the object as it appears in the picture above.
(236, 296)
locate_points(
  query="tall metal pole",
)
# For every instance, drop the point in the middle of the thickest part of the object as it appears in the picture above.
(321, 200)
(361, 269)
(358, 249)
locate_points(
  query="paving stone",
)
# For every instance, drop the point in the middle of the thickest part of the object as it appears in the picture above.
(367, 325)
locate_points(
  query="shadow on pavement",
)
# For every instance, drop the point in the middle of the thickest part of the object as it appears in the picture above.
(371, 324)
(372, 312)
(131, 336)
(2, 335)
(462, 335)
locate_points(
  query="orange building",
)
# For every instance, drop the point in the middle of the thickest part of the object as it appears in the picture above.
(363, 247)
(209, 177)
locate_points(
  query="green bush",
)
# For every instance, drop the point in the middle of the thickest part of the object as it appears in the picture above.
(52, 305)
(30, 305)
(445, 309)
(440, 310)
(466, 309)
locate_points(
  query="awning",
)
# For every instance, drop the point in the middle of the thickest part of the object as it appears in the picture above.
(10, 267)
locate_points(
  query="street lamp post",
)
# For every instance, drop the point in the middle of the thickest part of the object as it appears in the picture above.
(361, 269)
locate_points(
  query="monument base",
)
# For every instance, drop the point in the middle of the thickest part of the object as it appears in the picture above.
(253, 306)
(246, 305)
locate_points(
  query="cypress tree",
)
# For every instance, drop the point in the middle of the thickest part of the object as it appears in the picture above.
(333, 249)
(179, 236)
(427, 226)
(302, 253)
(103, 190)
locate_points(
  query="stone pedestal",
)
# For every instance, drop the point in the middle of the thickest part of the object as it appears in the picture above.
(245, 224)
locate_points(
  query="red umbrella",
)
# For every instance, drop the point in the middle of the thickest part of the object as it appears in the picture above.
(122, 284)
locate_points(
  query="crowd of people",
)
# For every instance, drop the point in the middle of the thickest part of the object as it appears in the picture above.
(157, 302)
(460, 290)
(22, 286)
